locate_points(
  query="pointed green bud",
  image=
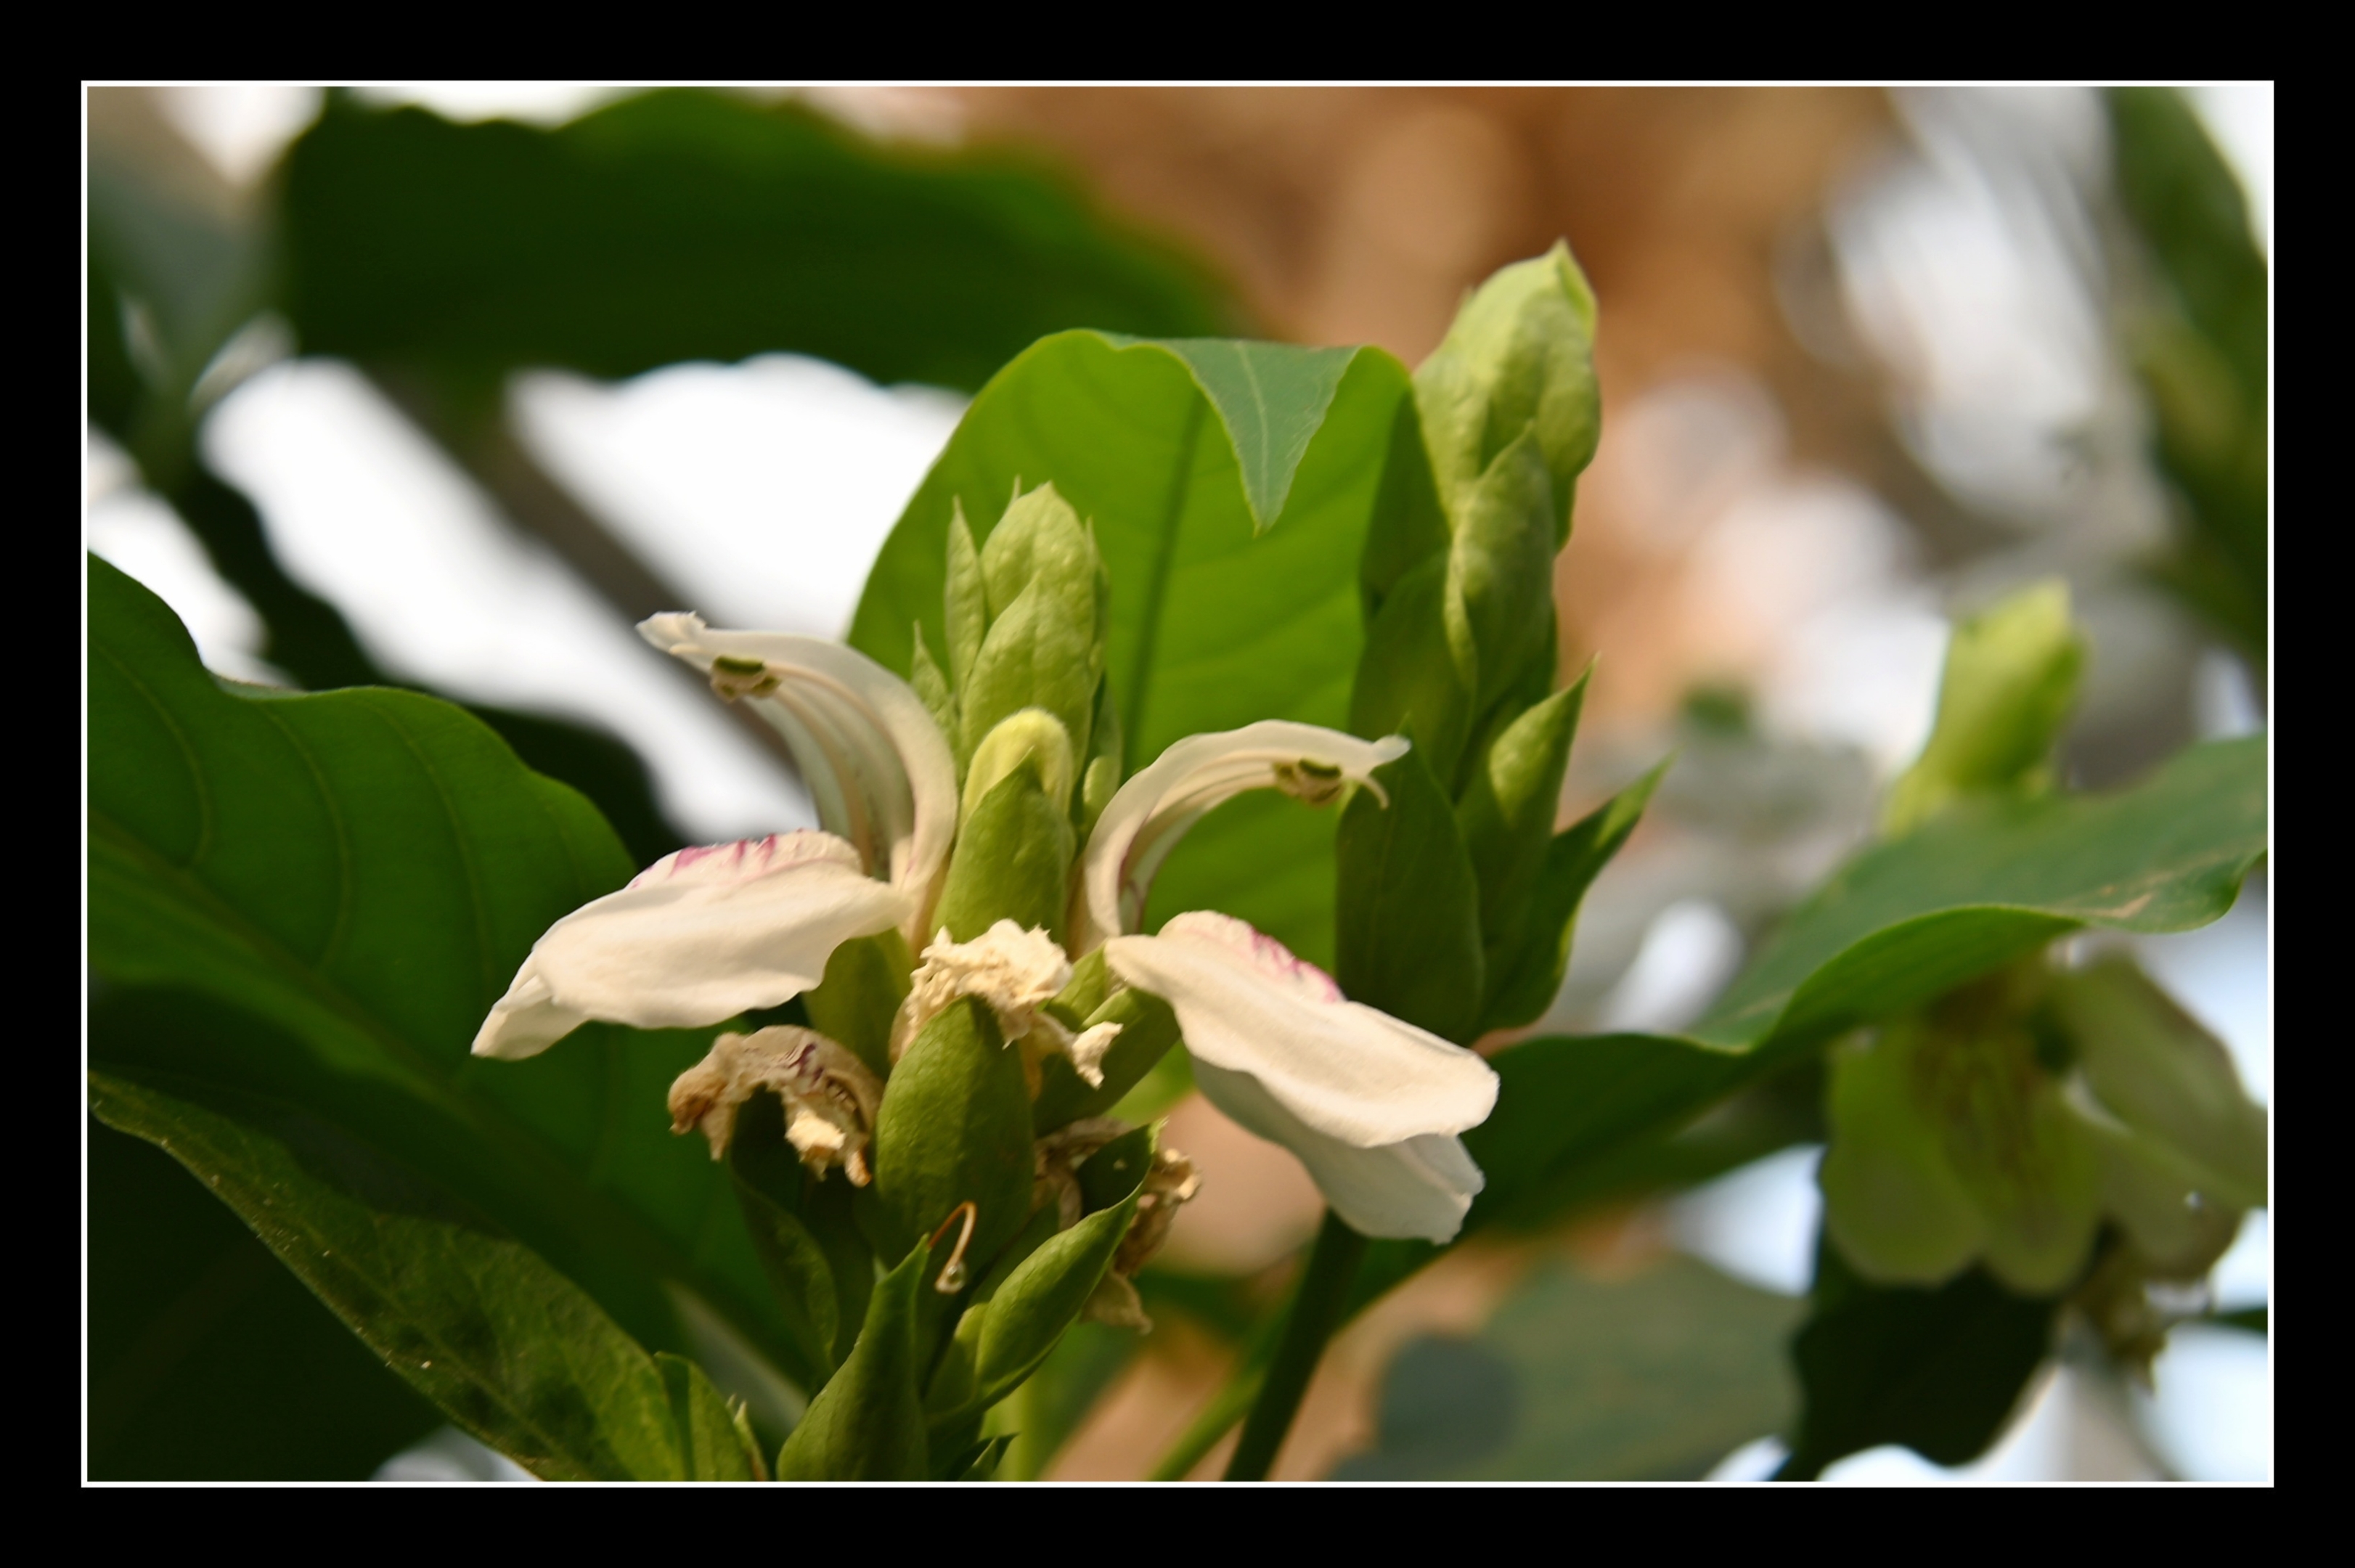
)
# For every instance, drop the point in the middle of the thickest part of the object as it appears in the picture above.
(954, 1128)
(1521, 357)
(867, 1423)
(1507, 816)
(1500, 570)
(965, 601)
(2010, 681)
(1013, 859)
(1045, 585)
(1407, 681)
(1034, 736)
(932, 689)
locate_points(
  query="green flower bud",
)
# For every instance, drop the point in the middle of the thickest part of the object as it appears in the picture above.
(1101, 778)
(1045, 589)
(954, 1128)
(1507, 816)
(1013, 859)
(867, 1423)
(965, 600)
(1500, 572)
(938, 699)
(2010, 680)
(1032, 735)
(1519, 358)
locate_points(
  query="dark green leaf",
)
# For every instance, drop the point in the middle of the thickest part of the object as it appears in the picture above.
(207, 1361)
(714, 1444)
(333, 889)
(1409, 908)
(865, 1425)
(1214, 622)
(689, 225)
(512, 1350)
(1938, 1371)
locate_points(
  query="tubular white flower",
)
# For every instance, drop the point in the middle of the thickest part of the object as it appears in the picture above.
(876, 765)
(1371, 1104)
(698, 936)
(1144, 821)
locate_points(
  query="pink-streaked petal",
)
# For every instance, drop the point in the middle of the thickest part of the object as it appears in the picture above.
(876, 765)
(1349, 1072)
(1149, 814)
(699, 937)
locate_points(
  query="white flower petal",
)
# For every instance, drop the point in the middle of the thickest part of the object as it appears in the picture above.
(876, 764)
(1418, 1188)
(1145, 818)
(1347, 1071)
(698, 937)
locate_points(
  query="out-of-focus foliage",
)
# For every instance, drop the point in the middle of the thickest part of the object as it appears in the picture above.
(2201, 349)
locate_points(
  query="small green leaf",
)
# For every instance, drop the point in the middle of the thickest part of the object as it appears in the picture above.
(2010, 679)
(1506, 813)
(866, 1425)
(1013, 862)
(1272, 400)
(983, 1465)
(509, 1349)
(853, 1001)
(1408, 930)
(954, 1128)
(1147, 1030)
(964, 598)
(1410, 682)
(715, 1445)
(800, 1275)
(933, 689)
(1938, 1371)
(1500, 570)
(1523, 984)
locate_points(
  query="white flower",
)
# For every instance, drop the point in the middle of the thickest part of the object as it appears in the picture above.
(1371, 1104)
(1144, 821)
(698, 936)
(706, 933)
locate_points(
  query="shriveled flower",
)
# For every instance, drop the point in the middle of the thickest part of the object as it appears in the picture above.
(1168, 1185)
(829, 1095)
(1017, 973)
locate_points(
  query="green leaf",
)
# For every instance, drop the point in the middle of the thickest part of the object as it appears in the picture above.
(206, 1360)
(954, 1128)
(1041, 1298)
(714, 1446)
(1272, 399)
(1938, 1371)
(866, 1425)
(1904, 922)
(691, 225)
(1507, 814)
(315, 899)
(510, 1349)
(853, 1003)
(1220, 614)
(2010, 679)
(1147, 1030)
(1411, 682)
(1500, 572)
(1574, 1379)
(1409, 908)
(1523, 983)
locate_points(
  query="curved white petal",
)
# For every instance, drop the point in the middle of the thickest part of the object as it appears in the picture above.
(1145, 819)
(1417, 1188)
(698, 936)
(876, 764)
(1368, 1102)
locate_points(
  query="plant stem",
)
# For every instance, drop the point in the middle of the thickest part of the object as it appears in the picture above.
(1316, 1313)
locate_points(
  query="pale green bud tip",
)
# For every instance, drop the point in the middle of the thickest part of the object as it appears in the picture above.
(1030, 735)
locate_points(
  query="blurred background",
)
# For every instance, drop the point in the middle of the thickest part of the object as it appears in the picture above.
(445, 385)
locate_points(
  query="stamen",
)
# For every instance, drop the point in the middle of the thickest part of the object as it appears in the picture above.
(953, 1273)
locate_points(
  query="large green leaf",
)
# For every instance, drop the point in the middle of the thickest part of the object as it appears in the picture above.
(1232, 488)
(207, 1359)
(1904, 922)
(315, 899)
(1576, 1379)
(514, 1351)
(688, 225)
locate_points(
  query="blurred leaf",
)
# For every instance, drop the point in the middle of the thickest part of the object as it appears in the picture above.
(317, 899)
(713, 1445)
(1902, 922)
(694, 225)
(1938, 1371)
(2202, 354)
(207, 1361)
(512, 1350)
(1577, 1378)
(1220, 614)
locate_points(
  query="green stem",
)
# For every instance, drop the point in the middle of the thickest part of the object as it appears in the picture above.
(1317, 1311)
